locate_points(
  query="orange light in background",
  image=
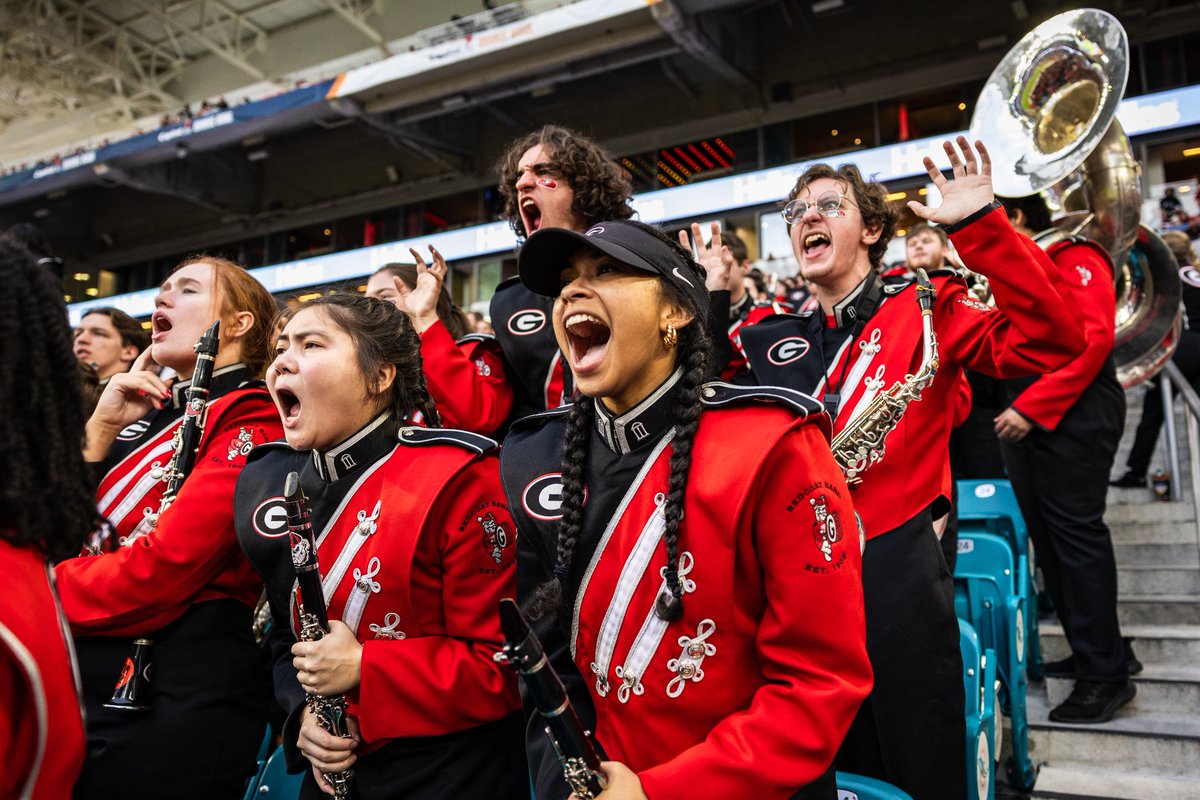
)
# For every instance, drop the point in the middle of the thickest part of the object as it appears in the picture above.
(894, 196)
(833, 132)
(962, 106)
(1192, 151)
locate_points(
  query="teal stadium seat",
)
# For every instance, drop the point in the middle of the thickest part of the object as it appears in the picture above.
(990, 506)
(985, 595)
(983, 738)
(858, 787)
(264, 753)
(275, 783)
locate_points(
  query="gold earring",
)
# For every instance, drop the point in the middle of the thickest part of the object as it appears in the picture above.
(671, 337)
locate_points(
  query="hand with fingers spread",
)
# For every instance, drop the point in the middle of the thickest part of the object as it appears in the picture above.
(330, 665)
(326, 752)
(968, 192)
(422, 301)
(128, 397)
(715, 257)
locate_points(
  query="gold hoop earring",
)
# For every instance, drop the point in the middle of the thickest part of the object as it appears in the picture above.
(671, 337)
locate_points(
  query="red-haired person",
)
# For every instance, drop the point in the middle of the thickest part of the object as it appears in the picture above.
(46, 511)
(184, 583)
(681, 589)
(463, 370)
(416, 548)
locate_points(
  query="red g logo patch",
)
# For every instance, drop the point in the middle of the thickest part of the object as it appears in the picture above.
(495, 537)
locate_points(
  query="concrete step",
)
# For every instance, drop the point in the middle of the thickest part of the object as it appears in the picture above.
(1164, 609)
(1157, 555)
(1158, 580)
(1163, 532)
(1171, 646)
(1138, 506)
(1079, 783)
(1149, 743)
(1160, 690)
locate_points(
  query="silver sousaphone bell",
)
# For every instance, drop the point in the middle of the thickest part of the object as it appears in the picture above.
(1048, 117)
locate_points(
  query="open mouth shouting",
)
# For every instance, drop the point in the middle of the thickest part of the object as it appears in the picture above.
(160, 325)
(531, 215)
(288, 403)
(815, 244)
(587, 341)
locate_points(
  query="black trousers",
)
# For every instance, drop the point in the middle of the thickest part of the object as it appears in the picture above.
(1187, 358)
(207, 718)
(1061, 481)
(911, 730)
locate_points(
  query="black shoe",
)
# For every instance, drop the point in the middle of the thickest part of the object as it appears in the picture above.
(1130, 480)
(1092, 702)
(1065, 667)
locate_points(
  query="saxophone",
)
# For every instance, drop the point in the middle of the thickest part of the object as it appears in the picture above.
(860, 444)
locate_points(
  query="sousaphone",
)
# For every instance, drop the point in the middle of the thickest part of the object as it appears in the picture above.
(1048, 117)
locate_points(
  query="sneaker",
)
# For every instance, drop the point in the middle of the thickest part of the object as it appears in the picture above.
(1065, 667)
(1093, 702)
(1130, 480)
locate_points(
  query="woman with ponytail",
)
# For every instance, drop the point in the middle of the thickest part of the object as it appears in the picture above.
(464, 370)
(687, 550)
(416, 548)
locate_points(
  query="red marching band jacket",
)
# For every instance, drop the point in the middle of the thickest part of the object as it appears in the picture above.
(751, 692)
(756, 313)
(192, 555)
(1086, 269)
(41, 727)
(1033, 329)
(415, 560)
(466, 379)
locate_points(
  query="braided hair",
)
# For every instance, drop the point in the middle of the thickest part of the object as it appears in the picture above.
(45, 492)
(694, 348)
(382, 334)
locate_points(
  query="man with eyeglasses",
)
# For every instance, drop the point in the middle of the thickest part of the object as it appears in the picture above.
(866, 337)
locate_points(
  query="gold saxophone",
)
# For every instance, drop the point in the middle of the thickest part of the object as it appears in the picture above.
(860, 444)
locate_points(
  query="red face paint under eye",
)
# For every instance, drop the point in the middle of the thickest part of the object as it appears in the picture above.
(549, 183)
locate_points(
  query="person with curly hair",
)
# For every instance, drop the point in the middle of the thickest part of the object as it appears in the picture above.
(46, 511)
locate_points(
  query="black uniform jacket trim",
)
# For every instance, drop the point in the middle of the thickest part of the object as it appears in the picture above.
(422, 437)
(475, 337)
(539, 419)
(718, 394)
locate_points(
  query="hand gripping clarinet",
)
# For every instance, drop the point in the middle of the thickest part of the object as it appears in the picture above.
(860, 443)
(314, 619)
(523, 652)
(132, 684)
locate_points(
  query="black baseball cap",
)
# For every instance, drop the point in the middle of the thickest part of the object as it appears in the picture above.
(546, 253)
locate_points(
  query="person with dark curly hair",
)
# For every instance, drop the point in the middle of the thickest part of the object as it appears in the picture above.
(46, 512)
(464, 369)
(551, 178)
(182, 582)
(868, 336)
(416, 549)
(659, 555)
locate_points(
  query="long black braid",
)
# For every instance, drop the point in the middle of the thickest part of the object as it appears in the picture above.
(693, 355)
(45, 491)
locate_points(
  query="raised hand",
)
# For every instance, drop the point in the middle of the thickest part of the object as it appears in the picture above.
(969, 191)
(715, 257)
(126, 398)
(422, 301)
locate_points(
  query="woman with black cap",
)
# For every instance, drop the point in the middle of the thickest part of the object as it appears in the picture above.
(712, 611)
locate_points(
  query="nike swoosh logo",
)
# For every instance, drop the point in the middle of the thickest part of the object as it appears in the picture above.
(679, 275)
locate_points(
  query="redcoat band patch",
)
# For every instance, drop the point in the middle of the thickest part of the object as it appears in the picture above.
(493, 525)
(971, 302)
(236, 443)
(823, 526)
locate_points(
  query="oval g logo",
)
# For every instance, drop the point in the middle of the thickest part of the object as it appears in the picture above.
(785, 351)
(270, 518)
(133, 431)
(527, 321)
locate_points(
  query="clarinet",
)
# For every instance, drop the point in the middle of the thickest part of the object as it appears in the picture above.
(523, 652)
(133, 683)
(314, 619)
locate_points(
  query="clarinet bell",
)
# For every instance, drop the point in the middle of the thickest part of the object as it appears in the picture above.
(133, 685)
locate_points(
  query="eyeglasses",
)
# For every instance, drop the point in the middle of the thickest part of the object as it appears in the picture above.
(828, 204)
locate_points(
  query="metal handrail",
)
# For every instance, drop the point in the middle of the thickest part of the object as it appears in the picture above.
(1176, 383)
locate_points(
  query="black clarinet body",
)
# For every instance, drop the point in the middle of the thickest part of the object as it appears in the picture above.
(314, 620)
(132, 689)
(576, 753)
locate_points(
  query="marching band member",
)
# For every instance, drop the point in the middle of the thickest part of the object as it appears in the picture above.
(722, 652)
(1073, 416)
(868, 337)
(46, 510)
(184, 583)
(416, 549)
(463, 370)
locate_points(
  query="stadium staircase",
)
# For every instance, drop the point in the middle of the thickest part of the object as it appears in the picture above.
(1151, 748)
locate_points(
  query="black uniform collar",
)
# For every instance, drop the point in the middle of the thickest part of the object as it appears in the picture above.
(641, 425)
(741, 309)
(224, 381)
(860, 304)
(370, 443)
